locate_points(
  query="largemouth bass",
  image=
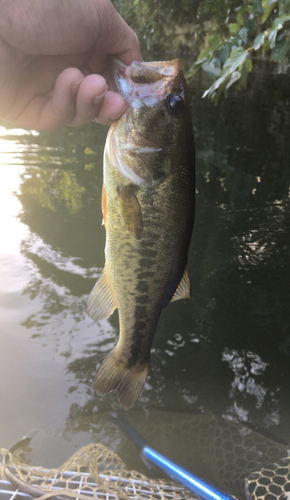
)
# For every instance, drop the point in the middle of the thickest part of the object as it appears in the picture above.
(148, 211)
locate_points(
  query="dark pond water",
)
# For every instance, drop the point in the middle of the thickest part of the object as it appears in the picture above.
(225, 353)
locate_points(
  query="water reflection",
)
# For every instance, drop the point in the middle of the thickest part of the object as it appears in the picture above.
(53, 187)
(246, 367)
(224, 352)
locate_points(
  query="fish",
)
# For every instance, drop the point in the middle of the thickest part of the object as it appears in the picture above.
(148, 204)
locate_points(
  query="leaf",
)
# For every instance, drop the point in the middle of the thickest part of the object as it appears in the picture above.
(241, 11)
(211, 69)
(279, 21)
(266, 46)
(267, 12)
(236, 42)
(234, 27)
(202, 58)
(249, 65)
(194, 69)
(243, 34)
(215, 96)
(235, 76)
(237, 57)
(240, 17)
(246, 69)
(223, 53)
(281, 50)
(203, 54)
(258, 7)
(272, 38)
(251, 25)
(218, 83)
(259, 40)
(198, 62)
(214, 43)
(267, 3)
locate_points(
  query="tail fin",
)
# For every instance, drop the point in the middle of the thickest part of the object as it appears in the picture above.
(113, 374)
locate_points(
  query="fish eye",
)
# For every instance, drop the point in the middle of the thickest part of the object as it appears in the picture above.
(175, 104)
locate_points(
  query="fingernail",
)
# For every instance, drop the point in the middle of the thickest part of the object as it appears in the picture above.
(113, 119)
(75, 85)
(98, 98)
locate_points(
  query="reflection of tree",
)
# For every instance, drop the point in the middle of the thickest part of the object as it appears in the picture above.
(245, 367)
(70, 171)
(60, 196)
(51, 187)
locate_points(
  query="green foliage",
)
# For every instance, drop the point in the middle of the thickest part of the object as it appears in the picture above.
(224, 36)
(253, 28)
(171, 26)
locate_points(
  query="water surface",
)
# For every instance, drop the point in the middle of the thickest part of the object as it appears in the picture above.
(226, 352)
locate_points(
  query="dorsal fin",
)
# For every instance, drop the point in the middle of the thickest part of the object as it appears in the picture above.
(102, 303)
(183, 289)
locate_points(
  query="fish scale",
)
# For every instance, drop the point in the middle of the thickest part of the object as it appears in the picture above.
(128, 257)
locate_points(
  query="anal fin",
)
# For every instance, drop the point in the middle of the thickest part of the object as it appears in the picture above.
(183, 289)
(102, 303)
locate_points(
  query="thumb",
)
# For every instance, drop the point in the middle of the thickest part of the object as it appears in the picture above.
(120, 40)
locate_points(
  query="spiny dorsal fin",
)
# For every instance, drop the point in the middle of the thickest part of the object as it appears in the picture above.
(183, 289)
(131, 210)
(102, 303)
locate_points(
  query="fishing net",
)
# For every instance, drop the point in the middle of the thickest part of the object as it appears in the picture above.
(240, 460)
(92, 472)
(271, 482)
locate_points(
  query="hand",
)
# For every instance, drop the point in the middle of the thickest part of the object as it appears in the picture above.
(54, 62)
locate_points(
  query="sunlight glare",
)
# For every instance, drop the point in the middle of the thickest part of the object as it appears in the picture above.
(11, 167)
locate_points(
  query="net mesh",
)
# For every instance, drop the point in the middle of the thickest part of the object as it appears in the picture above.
(271, 482)
(94, 471)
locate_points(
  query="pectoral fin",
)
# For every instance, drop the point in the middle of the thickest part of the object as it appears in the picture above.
(104, 206)
(102, 303)
(183, 289)
(131, 210)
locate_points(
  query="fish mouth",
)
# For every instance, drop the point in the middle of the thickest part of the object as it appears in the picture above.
(144, 78)
(141, 82)
(143, 85)
(151, 72)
